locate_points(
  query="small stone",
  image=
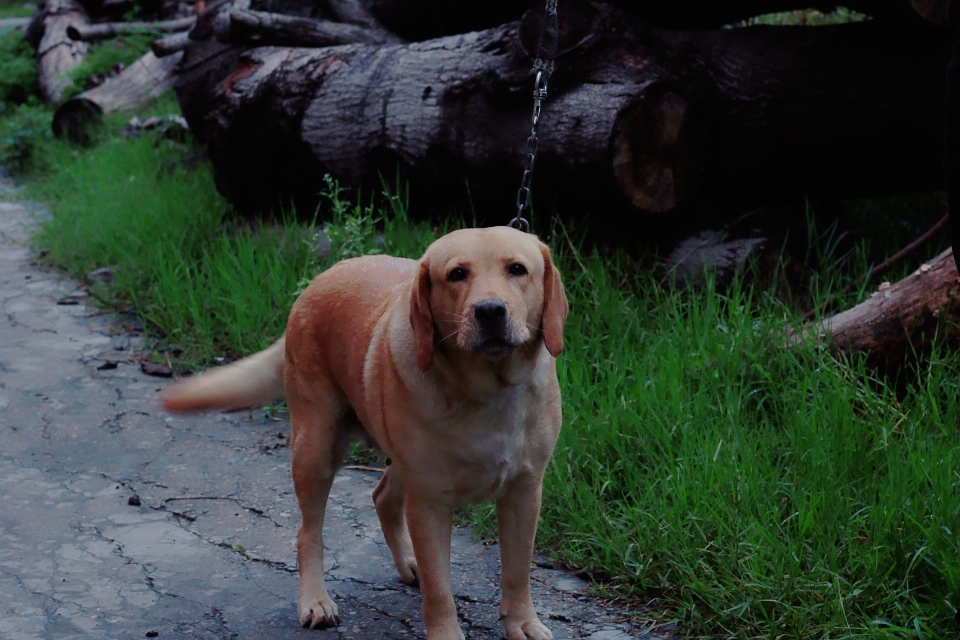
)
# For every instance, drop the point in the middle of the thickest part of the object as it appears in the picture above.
(103, 274)
(107, 366)
(152, 122)
(156, 369)
(152, 633)
(134, 501)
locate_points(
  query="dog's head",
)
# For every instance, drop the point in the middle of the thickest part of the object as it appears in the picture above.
(488, 291)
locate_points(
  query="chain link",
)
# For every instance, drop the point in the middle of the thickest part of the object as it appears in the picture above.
(543, 67)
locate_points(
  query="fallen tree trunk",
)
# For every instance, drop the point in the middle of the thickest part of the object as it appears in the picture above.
(102, 31)
(425, 19)
(900, 318)
(258, 27)
(57, 53)
(744, 116)
(146, 78)
(171, 44)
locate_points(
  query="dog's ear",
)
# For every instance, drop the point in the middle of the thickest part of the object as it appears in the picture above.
(421, 320)
(555, 306)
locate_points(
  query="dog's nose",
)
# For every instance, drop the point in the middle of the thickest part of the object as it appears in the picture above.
(490, 313)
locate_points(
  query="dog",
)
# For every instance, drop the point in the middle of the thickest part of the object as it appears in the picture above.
(448, 365)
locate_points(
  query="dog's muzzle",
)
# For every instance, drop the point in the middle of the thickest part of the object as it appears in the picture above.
(492, 335)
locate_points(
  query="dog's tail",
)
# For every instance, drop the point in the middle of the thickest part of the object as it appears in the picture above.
(249, 382)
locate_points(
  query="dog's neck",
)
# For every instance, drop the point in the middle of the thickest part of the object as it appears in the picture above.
(479, 378)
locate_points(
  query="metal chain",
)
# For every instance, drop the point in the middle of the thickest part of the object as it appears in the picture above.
(543, 69)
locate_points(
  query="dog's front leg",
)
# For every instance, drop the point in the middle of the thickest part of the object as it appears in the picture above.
(430, 527)
(315, 457)
(517, 514)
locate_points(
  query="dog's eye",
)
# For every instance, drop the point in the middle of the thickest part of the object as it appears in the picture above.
(456, 275)
(517, 269)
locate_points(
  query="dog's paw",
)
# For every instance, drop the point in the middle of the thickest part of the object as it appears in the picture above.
(448, 632)
(528, 630)
(319, 613)
(407, 566)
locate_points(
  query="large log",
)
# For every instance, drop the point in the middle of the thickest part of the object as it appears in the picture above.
(57, 53)
(146, 78)
(425, 19)
(899, 319)
(264, 28)
(663, 118)
(168, 45)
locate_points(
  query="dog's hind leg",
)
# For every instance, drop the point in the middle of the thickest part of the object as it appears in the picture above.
(316, 448)
(388, 499)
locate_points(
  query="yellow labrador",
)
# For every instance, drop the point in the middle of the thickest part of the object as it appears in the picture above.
(448, 365)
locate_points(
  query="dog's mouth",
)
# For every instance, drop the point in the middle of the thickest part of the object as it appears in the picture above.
(494, 347)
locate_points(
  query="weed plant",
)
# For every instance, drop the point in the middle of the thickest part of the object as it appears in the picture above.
(18, 82)
(743, 486)
(25, 137)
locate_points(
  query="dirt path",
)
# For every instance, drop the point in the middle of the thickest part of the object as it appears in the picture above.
(209, 551)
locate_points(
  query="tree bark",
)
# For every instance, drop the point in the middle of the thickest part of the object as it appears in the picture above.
(57, 53)
(426, 19)
(146, 78)
(663, 118)
(899, 319)
(102, 31)
(171, 44)
(933, 11)
(258, 27)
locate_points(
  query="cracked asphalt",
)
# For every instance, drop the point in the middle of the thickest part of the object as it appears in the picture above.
(118, 521)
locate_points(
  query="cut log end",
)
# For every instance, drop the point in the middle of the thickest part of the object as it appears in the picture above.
(656, 153)
(933, 11)
(73, 118)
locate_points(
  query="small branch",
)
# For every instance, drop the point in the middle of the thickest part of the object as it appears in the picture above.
(94, 32)
(910, 248)
(880, 268)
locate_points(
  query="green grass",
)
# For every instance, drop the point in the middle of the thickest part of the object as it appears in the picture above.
(742, 487)
(205, 283)
(25, 134)
(760, 490)
(805, 18)
(18, 81)
(16, 9)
